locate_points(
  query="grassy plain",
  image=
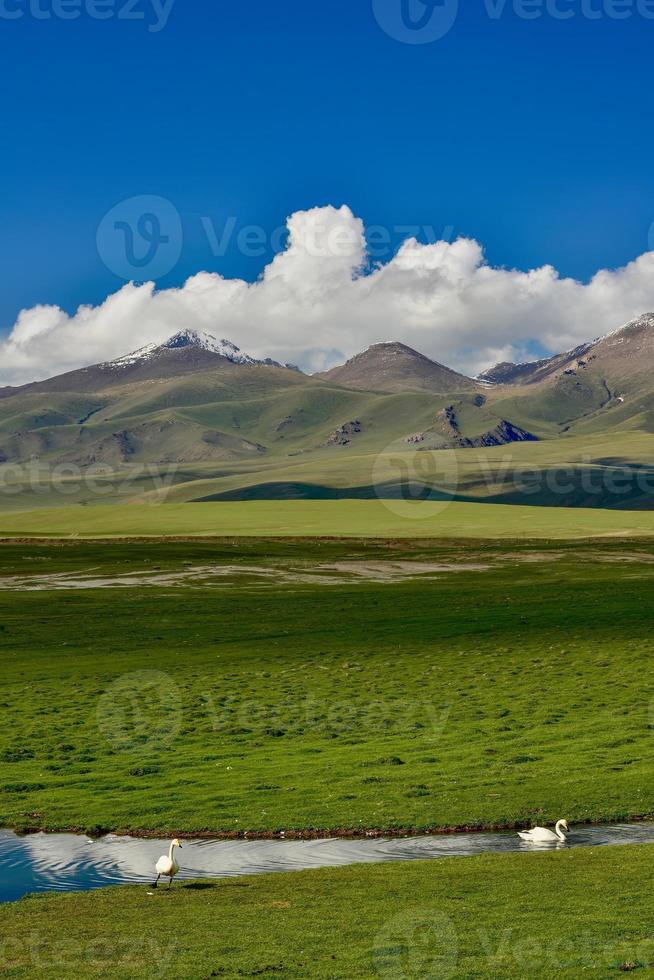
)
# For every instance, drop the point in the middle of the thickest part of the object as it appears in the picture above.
(563, 914)
(328, 518)
(517, 690)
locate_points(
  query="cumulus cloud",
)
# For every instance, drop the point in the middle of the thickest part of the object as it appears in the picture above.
(319, 302)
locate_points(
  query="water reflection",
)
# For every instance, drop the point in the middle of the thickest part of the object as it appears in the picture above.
(67, 862)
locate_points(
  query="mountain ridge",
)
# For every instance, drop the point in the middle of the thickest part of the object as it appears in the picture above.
(199, 399)
(530, 372)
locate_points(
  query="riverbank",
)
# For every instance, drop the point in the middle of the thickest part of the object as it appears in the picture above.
(562, 914)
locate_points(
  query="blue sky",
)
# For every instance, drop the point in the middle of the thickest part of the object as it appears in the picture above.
(534, 137)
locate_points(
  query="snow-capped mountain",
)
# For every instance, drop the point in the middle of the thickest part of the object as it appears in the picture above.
(198, 339)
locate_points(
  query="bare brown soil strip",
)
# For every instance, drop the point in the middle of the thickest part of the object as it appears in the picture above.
(341, 833)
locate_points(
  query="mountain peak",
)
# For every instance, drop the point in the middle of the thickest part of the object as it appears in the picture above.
(185, 339)
(394, 348)
(393, 366)
(391, 345)
(202, 340)
(190, 338)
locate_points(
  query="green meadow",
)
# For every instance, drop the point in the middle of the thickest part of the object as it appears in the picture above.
(327, 518)
(564, 914)
(336, 685)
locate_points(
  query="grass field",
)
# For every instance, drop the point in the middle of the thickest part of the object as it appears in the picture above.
(564, 915)
(328, 518)
(246, 685)
(272, 699)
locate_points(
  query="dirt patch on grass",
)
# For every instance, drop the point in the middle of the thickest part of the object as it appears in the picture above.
(288, 572)
(386, 571)
(327, 573)
(645, 558)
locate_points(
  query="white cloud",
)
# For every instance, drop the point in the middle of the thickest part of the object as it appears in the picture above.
(315, 306)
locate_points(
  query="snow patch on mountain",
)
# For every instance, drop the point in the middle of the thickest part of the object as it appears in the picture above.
(198, 339)
(644, 322)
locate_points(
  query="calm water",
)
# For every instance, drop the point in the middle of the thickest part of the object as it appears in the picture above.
(66, 862)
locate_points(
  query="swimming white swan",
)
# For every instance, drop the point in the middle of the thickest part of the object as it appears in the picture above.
(167, 866)
(541, 835)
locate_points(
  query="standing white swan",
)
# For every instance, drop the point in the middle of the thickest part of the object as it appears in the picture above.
(541, 835)
(167, 866)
